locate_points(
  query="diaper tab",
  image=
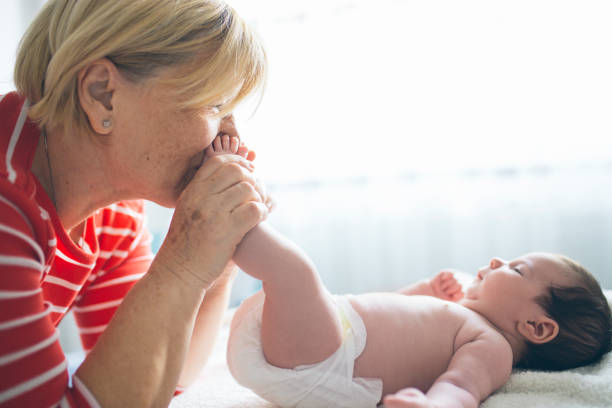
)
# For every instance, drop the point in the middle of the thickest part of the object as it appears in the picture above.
(344, 322)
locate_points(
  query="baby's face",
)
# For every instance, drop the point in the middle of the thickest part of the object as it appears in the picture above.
(505, 291)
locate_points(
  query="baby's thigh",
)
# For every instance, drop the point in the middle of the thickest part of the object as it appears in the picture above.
(300, 331)
(245, 308)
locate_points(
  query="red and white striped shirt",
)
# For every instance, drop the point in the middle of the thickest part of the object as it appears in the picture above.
(44, 274)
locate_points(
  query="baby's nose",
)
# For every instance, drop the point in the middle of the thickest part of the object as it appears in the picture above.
(495, 263)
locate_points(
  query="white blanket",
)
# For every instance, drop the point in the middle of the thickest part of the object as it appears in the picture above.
(585, 387)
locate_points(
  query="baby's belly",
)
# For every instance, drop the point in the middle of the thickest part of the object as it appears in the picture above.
(409, 339)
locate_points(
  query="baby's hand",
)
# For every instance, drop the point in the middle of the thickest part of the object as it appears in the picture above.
(445, 286)
(407, 398)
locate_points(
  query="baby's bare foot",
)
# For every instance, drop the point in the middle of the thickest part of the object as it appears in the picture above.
(225, 144)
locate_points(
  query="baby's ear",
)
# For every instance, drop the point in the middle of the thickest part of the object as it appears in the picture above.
(539, 331)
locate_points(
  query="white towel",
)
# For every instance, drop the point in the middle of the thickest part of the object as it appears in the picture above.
(584, 387)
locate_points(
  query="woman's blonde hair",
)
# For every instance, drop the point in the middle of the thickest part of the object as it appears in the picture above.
(220, 55)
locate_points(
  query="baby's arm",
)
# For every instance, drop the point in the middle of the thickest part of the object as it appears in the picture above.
(443, 286)
(477, 369)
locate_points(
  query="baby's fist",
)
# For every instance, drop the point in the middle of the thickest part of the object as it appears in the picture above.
(407, 398)
(445, 286)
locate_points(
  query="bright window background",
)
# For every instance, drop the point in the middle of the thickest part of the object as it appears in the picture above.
(376, 89)
(401, 137)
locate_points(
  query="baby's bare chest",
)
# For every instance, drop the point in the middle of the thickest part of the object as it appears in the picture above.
(410, 339)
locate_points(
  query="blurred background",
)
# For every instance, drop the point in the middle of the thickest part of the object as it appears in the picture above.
(402, 137)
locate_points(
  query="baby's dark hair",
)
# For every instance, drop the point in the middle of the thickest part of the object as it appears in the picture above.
(585, 324)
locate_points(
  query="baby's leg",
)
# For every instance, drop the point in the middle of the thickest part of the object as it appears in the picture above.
(299, 322)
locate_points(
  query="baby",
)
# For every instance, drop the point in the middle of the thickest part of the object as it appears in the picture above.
(427, 345)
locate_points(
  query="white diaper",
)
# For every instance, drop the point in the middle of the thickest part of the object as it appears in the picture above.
(329, 383)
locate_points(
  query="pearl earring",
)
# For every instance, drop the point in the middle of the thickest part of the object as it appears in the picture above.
(106, 123)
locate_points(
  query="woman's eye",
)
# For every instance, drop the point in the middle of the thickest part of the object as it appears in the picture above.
(517, 270)
(215, 109)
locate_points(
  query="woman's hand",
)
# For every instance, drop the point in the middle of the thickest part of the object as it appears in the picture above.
(446, 287)
(226, 279)
(221, 204)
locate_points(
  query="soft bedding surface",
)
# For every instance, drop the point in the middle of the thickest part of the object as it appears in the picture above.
(585, 387)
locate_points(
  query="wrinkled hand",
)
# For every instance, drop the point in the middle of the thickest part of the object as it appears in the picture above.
(226, 279)
(407, 398)
(228, 144)
(218, 207)
(446, 287)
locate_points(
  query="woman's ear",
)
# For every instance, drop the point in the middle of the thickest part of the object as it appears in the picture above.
(539, 331)
(96, 87)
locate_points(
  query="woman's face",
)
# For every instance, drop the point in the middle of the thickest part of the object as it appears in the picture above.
(159, 148)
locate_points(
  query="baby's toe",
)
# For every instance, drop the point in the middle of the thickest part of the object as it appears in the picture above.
(234, 144)
(217, 144)
(225, 142)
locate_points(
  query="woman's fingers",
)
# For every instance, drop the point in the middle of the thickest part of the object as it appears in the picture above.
(214, 212)
(228, 175)
(238, 194)
(213, 163)
(232, 175)
(249, 214)
(221, 172)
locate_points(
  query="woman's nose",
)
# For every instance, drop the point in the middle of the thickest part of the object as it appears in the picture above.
(495, 263)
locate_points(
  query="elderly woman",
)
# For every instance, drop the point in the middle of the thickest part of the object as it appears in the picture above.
(116, 102)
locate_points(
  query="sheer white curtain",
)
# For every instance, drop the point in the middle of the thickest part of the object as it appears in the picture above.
(401, 137)
(376, 89)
